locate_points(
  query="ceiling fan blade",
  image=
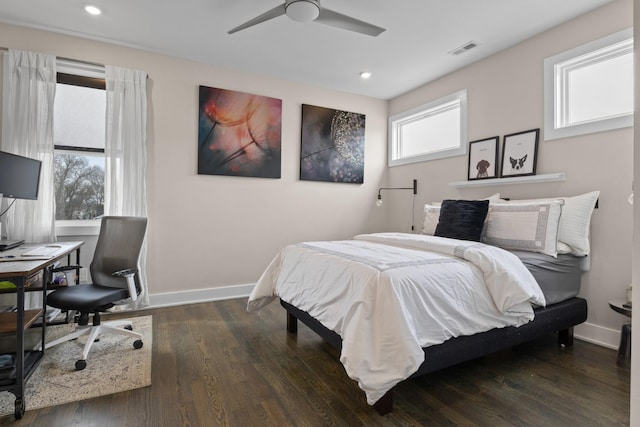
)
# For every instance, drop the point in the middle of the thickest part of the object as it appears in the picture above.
(335, 19)
(270, 14)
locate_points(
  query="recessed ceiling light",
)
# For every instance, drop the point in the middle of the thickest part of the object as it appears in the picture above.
(92, 10)
(365, 74)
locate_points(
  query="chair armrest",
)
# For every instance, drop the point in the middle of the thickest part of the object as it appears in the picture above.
(131, 284)
(64, 268)
(125, 273)
(54, 279)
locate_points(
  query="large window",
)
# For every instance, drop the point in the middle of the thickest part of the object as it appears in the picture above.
(590, 88)
(432, 131)
(79, 138)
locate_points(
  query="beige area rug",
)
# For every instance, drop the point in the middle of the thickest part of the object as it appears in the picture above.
(113, 366)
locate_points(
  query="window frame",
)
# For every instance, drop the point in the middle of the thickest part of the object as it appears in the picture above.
(395, 122)
(85, 75)
(556, 91)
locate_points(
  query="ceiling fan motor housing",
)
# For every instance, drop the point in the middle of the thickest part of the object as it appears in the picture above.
(302, 10)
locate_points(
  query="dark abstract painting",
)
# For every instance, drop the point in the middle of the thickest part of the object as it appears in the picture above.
(239, 134)
(332, 145)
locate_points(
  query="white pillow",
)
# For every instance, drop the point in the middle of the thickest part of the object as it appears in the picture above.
(432, 214)
(563, 248)
(575, 220)
(527, 226)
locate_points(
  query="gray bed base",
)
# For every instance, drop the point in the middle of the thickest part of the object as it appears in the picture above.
(557, 318)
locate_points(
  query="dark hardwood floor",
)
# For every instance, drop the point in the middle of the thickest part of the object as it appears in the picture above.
(214, 364)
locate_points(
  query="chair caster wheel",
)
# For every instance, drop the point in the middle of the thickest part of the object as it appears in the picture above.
(80, 365)
(129, 328)
(137, 344)
(19, 408)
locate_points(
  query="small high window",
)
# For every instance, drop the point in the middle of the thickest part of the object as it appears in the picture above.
(590, 88)
(432, 131)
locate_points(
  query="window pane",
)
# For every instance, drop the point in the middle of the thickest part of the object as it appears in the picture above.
(589, 88)
(601, 90)
(79, 183)
(432, 131)
(79, 116)
(79, 121)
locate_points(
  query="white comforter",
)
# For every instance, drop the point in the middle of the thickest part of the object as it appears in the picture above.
(390, 294)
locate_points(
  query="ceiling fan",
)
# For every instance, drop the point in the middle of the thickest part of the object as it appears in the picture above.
(308, 11)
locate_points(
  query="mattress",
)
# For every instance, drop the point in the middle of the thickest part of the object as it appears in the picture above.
(388, 295)
(559, 278)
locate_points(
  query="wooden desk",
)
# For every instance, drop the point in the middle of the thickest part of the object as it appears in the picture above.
(22, 272)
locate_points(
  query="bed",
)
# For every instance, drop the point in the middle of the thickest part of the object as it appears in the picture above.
(400, 305)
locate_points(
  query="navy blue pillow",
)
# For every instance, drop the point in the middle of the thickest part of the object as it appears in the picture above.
(462, 219)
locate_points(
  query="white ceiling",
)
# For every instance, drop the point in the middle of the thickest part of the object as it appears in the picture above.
(412, 51)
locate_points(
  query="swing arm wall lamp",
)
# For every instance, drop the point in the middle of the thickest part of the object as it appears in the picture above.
(414, 188)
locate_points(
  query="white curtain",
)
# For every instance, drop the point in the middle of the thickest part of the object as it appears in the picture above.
(125, 151)
(28, 131)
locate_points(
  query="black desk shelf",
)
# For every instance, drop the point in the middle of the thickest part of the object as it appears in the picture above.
(27, 276)
(31, 361)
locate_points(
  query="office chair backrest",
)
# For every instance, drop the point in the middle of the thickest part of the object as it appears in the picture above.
(118, 248)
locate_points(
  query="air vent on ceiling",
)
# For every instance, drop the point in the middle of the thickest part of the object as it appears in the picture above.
(464, 48)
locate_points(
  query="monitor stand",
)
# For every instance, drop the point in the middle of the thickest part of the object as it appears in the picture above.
(6, 244)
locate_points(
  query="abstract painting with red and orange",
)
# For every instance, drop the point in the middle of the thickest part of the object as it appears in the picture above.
(239, 134)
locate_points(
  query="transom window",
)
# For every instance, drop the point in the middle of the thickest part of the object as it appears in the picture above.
(432, 131)
(590, 88)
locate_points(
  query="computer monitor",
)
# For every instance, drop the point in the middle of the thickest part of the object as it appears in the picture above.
(19, 176)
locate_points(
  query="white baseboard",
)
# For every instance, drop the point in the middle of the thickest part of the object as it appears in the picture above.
(589, 332)
(199, 295)
(599, 335)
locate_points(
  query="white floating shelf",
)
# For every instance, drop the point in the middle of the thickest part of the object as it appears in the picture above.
(547, 177)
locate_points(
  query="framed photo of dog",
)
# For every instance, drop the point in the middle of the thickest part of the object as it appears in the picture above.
(483, 159)
(519, 153)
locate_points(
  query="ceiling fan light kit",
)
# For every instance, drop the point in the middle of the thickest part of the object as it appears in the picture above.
(302, 10)
(310, 11)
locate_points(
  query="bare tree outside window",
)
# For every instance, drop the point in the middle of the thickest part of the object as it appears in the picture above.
(79, 187)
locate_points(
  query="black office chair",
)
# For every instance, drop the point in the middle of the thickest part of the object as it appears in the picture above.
(114, 272)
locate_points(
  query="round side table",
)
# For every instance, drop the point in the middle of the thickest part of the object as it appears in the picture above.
(624, 351)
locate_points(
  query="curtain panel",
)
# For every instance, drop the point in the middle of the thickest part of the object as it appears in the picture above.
(27, 130)
(125, 152)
